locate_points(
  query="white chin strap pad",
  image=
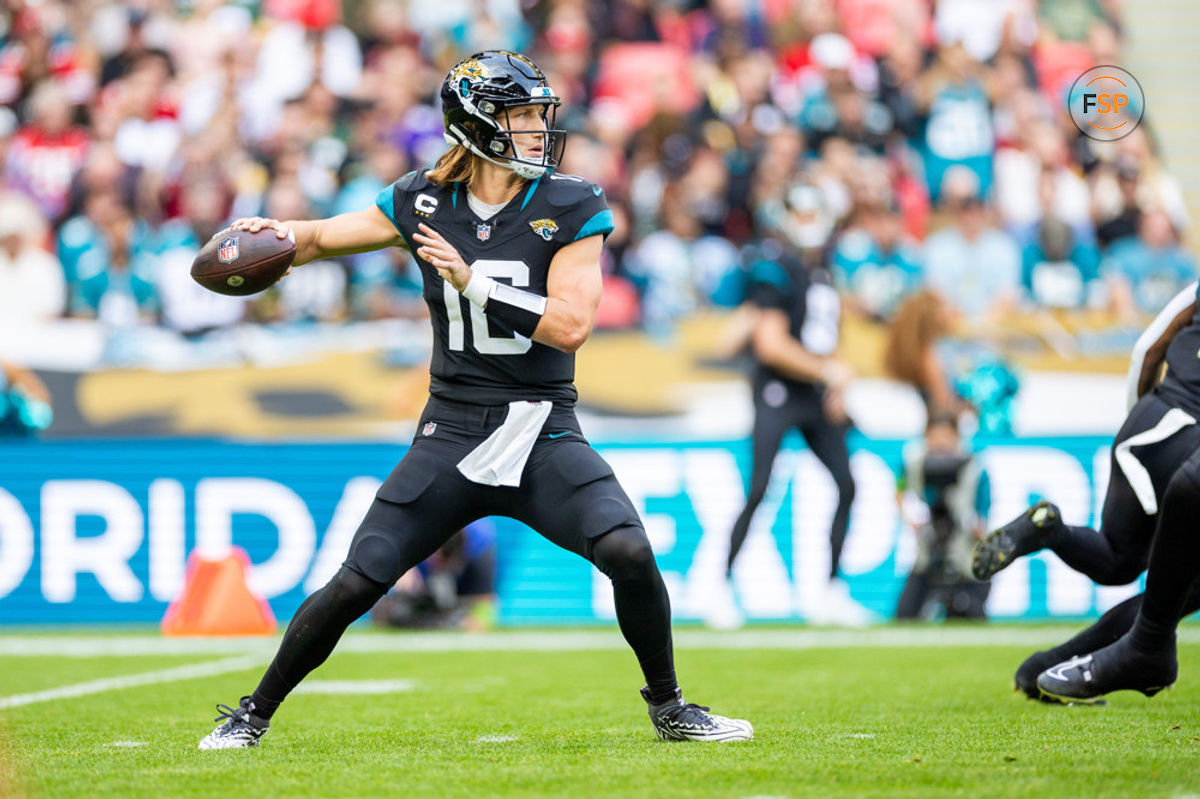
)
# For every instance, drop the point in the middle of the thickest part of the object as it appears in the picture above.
(527, 171)
(522, 169)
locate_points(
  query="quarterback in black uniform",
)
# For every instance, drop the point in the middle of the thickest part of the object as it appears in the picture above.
(509, 252)
(1158, 436)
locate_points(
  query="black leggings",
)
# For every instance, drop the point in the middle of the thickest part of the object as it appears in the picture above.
(1119, 553)
(827, 441)
(624, 555)
(1172, 579)
(1115, 622)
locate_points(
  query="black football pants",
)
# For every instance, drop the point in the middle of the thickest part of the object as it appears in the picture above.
(567, 493)
(1119, 553)
(826, 439)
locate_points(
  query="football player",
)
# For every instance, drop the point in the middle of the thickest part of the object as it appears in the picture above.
(509, 252)
(799, 383)
(1144, 659)
(1159, 434)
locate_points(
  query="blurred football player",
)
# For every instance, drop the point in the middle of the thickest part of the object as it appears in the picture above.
(509, 252)
(1159, 434)
(798, 380)
(1144, 659)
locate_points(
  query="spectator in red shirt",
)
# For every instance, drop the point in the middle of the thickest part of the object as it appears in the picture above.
(46, 153)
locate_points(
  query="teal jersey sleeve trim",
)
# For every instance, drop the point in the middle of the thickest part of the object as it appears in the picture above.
(386, 202)
(601, 223)
(529, 194)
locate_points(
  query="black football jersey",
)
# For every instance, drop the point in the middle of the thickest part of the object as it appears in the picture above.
(477, 359)
(780, 280)
(1181, 385)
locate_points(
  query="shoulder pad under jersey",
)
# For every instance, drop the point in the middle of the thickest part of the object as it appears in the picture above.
(414, 181)
(568, 190)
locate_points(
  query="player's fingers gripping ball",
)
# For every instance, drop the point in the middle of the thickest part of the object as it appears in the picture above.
(254, 224)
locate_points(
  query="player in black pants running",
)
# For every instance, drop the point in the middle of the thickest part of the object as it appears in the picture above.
(510, 257)
(1159, 434)
(798, 383)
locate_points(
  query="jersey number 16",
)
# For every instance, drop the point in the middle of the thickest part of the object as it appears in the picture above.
(485, 342)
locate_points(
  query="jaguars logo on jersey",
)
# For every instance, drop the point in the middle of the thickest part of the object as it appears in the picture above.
(546, 228)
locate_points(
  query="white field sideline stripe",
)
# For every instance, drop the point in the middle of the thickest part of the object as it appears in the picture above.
(355, 687)
(85, 646)
(189, 672)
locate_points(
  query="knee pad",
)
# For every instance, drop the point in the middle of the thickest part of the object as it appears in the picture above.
(624, 554)
(348, 587)
(376, 556)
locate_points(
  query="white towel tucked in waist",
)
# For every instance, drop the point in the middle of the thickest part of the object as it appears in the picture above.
(500, 459)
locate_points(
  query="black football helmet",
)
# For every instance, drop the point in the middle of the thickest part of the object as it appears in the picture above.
(476, 96)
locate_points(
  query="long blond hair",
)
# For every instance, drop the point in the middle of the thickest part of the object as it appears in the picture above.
(456, 165)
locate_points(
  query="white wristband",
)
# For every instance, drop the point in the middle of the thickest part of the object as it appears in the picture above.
(478, 288)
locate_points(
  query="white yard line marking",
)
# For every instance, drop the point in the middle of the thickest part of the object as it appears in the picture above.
(355, 687)
(189, 672)
(495, 739)
(127, 744)
(88, 646)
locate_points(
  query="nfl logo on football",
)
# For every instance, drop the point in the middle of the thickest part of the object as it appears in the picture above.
(227, 252)
(483, 232)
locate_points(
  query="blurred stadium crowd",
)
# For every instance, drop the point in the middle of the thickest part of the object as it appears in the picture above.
(934, 135)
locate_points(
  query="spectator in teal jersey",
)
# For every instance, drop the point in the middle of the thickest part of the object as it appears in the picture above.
(1058, 268)
(109, 259)
(875, 264)
(384, 282)
(1146, 270)
(958, 123)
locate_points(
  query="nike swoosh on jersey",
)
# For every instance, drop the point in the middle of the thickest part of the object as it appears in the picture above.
(557, 435)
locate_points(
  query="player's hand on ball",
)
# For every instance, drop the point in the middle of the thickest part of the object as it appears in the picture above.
(253, 224)
(441, 255)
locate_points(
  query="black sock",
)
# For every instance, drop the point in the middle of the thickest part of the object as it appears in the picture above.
(837, 531)
(1116, 621)
(644, 615)
(642, 604)
(1174, 566)
(312, 634)
(659, 671)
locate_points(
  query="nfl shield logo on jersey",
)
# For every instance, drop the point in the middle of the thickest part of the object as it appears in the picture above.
(227, 251)
(429, 428)
(483, 231)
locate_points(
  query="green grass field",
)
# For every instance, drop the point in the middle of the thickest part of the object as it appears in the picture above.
(889, 712)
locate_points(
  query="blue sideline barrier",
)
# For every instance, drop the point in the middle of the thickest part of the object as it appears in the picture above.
(100, 531)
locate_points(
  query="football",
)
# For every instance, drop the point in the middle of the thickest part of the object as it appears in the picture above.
(238, 262)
